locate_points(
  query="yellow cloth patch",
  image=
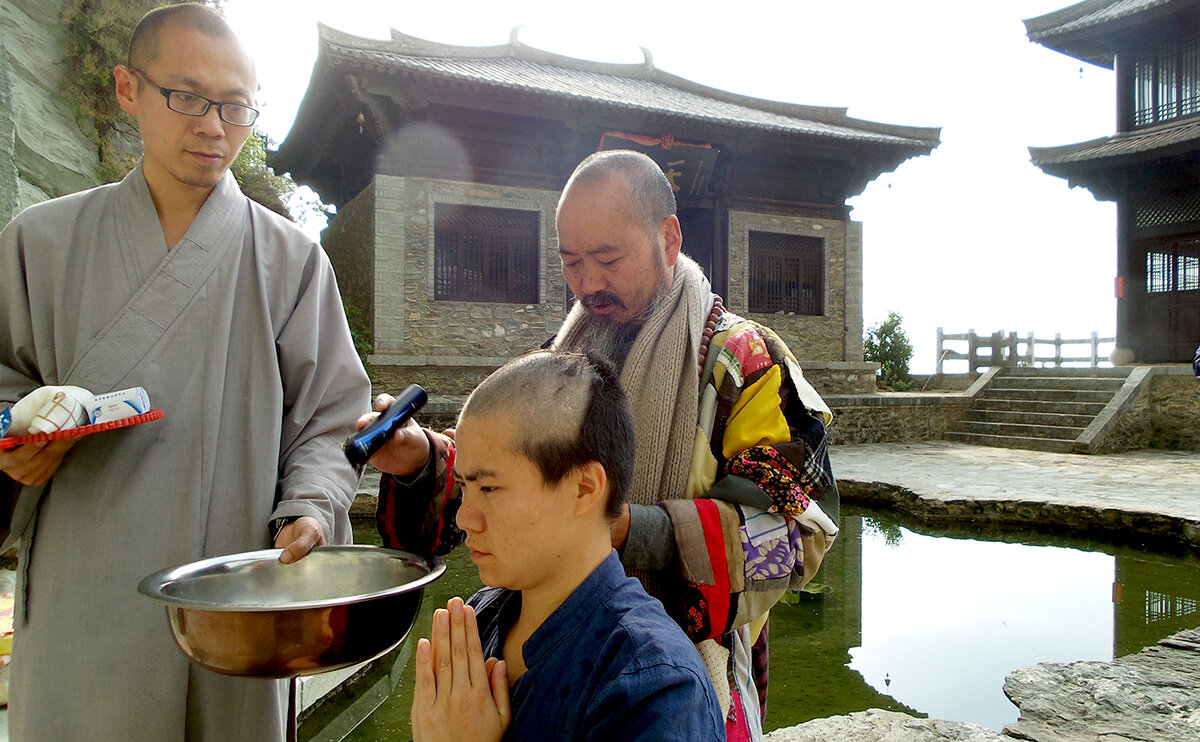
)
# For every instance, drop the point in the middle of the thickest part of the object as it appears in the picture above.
(703, 473)
(756, 419)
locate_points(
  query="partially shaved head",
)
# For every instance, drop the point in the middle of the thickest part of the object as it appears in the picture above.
(568, 410)
(143, 45)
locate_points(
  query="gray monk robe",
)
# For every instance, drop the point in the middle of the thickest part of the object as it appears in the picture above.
(238, 334)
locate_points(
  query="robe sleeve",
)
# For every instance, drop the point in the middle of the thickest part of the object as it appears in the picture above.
(325, 390)
(416, 513)
(759, 525)
(18, 364)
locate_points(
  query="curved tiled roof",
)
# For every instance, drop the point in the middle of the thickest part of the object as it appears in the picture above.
(1078, 30)
(525, 70)
(1137, 144)
(1087, 15)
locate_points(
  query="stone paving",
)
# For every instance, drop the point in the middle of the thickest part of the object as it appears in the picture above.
(1154, 491)
(1160, 482)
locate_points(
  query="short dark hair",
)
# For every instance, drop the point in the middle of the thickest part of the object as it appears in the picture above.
(650, 193)
(143, 44)
(573, 411)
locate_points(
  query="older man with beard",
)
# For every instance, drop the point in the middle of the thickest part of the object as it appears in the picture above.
(723, 514)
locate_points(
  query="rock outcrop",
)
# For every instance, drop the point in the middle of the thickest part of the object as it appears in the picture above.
(877, 725)
(1151, 695)
(42, 151)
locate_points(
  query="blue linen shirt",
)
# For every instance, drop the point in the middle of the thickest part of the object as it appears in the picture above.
(608, 664)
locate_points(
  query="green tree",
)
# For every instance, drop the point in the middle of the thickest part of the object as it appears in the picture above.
(97, 37)
(257, 180)
(887, 345)
(359, 331)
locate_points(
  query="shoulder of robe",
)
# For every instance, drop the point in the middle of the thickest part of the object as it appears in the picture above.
(282, 235)
(49, 230)
(51, 213)
(271, 222)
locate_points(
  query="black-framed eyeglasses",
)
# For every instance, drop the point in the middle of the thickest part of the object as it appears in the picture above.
(191, 104)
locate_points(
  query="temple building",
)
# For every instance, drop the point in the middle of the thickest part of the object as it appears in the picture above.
(445, 164)
(1150, 167)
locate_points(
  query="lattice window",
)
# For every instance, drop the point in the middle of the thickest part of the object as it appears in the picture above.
(1173, 267)
(787, 273)
(1166, 82)
(1158, 272)
(1176, 208)
(1187, 273)
(485, 254)
(1143, 93)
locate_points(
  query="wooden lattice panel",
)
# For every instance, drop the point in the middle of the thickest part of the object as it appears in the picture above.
(483, 253)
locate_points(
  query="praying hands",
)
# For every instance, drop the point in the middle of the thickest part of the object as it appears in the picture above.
(458, 695)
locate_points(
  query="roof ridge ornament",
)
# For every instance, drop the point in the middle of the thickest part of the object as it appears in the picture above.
(647, 58)
(514, 33)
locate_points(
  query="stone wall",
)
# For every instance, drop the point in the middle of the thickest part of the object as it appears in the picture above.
(828, 378)
(1165, 414)
(837, 334)
(1132, 429)
(43, 153)
(1175, 421)
(349, 241)
(458, 380)
(413, 329)
(890, 417)
(840, 377)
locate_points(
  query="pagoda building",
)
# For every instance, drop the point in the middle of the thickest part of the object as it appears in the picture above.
(445, 165)
(1150, 167)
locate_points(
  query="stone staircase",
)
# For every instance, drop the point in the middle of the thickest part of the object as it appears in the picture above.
(1041, 409)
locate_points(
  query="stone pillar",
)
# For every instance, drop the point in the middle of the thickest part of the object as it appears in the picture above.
(390, 248)
(854, 291)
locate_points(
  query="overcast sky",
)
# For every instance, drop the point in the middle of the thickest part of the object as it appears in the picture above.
(972, 236)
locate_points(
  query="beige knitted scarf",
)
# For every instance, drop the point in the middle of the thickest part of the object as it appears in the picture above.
(660, 378)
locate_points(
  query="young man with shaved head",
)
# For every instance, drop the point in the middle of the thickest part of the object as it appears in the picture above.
(230, 319)
(733, 500)
(561, 645)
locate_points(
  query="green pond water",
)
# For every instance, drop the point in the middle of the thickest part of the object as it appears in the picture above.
(924, 620)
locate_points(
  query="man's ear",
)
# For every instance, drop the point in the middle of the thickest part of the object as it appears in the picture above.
(125, 88)
(592, 492)
(670, 235)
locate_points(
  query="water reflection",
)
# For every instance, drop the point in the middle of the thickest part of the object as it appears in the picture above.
(924, 622)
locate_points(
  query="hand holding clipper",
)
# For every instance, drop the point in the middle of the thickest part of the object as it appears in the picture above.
(366, 442)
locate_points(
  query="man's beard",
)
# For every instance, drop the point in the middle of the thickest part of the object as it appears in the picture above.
(609, 338)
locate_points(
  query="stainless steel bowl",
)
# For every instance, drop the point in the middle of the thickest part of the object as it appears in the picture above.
(247, 614)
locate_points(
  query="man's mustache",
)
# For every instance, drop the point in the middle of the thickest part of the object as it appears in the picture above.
(601, 298)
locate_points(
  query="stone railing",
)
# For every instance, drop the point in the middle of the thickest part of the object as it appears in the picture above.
(1001, 349)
